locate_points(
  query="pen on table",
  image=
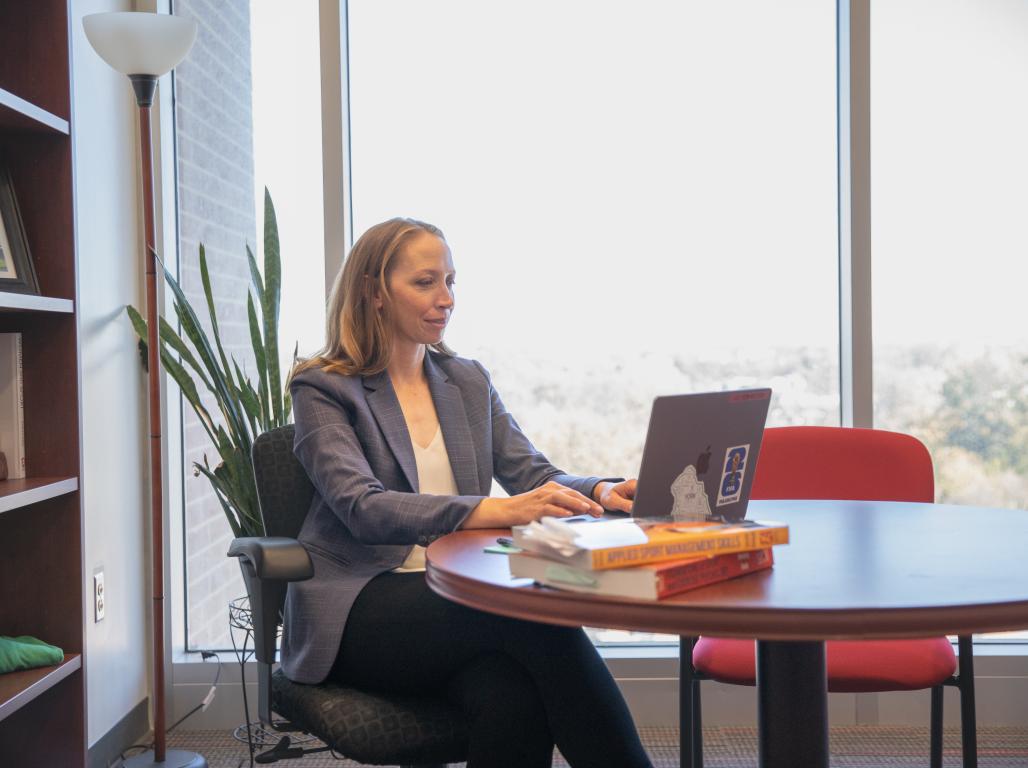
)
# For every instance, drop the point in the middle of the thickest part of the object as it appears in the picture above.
(504, 541)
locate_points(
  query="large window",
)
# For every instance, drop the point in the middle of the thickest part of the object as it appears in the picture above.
(640, 199)
(949, 243)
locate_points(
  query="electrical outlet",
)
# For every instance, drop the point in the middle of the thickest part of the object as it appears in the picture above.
(99, 598)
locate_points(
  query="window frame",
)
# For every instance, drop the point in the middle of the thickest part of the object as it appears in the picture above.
(853, 32)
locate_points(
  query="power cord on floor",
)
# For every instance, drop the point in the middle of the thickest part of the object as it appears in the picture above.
(206, 702)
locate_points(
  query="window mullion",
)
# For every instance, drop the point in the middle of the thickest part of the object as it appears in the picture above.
(854, 131)
(335, 132)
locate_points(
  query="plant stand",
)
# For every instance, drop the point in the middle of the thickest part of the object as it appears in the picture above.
(255, 735)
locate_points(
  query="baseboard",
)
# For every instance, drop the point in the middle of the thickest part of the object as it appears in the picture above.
(133, 728)
(650, 686)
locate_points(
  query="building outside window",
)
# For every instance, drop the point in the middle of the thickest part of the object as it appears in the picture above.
(247, 114)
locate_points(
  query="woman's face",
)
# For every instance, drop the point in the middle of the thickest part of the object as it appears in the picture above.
(421, 290)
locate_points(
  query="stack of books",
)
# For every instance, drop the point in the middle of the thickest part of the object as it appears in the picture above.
(640, 559)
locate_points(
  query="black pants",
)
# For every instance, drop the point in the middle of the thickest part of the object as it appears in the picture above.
(523, 686)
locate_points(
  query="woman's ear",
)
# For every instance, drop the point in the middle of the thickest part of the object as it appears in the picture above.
(376, 294)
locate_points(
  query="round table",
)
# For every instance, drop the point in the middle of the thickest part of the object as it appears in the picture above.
(852, 569)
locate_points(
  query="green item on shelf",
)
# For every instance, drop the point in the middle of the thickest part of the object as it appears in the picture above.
(26, 653)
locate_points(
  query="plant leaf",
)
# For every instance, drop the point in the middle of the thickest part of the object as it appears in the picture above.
(251, 403)
(221, 379)
(272, 291)
(261, 359)
(256, 279)
(205, 279)
(173, 340)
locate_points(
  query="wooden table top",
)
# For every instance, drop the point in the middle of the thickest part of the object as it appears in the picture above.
(852, 569)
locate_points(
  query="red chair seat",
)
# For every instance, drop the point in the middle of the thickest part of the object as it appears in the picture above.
(854, 666)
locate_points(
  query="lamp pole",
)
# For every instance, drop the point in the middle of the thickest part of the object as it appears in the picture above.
(156, 464)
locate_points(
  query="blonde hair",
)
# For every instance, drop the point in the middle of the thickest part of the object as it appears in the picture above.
(359, 337)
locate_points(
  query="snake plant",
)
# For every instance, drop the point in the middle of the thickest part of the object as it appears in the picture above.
(247, 408)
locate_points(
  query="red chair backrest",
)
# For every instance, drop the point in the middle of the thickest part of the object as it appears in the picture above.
(842, 463)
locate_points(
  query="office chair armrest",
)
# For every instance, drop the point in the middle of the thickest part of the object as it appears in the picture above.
(274, 557)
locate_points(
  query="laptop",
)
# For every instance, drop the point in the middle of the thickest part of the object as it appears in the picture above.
(699, 457)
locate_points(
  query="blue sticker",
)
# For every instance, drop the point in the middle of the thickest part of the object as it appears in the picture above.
(735, 458)
(734, 470)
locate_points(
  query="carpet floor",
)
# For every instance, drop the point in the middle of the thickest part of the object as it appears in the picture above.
(851, 747)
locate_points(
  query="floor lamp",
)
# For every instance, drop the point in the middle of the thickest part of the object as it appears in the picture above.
(145, 46)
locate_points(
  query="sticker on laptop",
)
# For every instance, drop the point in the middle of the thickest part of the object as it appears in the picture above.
(691, 502)
(729, 490)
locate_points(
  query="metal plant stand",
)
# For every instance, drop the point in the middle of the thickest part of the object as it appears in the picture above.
(254, 734)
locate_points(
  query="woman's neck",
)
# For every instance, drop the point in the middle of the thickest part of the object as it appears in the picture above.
(406, 364)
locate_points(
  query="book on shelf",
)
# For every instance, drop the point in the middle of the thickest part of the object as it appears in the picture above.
(646, 582)
(12, 405)
(626, 543)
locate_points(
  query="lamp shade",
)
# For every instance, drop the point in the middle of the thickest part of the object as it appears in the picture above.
(136, 43)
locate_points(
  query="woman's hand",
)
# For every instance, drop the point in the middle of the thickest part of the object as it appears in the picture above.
(550, 499)
(615, 496)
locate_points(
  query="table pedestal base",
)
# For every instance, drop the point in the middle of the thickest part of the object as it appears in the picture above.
(792, 704)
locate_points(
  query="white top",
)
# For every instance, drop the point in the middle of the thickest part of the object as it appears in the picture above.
(435, 476)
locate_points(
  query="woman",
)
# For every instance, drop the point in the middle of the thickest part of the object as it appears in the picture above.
(402, 439)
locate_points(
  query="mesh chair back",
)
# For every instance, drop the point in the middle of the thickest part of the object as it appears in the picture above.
(283, 489)
(842, 463)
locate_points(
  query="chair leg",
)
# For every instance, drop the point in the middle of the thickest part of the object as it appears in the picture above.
(685, 701)
(697, 725)
(968, 721)
(935, 750)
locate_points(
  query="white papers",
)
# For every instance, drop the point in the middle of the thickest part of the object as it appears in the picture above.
(554, 536)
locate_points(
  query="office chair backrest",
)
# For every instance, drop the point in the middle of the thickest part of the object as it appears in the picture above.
(283, 489)
(842, 463)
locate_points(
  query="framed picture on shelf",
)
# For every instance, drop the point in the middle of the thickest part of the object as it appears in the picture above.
(17, 274)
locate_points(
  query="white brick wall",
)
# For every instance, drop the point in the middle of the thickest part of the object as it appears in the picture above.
(214, 132)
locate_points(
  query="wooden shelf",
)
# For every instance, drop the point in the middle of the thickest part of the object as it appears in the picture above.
(43, 711)
(29, 490)
(19, 114)
(26, 302)
(19, 688)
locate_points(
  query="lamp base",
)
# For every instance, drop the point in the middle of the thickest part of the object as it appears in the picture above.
(173, 758)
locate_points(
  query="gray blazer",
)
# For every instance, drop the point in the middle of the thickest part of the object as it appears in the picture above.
(367, 514)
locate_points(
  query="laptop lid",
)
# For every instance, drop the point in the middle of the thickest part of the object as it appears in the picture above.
(699, 455)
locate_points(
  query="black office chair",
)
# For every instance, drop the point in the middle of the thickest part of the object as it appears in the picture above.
(366, 727)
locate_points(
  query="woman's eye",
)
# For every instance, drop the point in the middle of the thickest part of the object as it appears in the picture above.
(425, 282)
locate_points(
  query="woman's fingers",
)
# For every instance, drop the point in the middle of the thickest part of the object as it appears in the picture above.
(578, 502)
(553, 510)
(618, 502)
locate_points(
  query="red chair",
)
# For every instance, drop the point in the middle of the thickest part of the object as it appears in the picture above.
(818, 463)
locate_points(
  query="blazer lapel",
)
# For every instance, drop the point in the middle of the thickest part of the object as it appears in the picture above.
(449, 407)
(386, 408)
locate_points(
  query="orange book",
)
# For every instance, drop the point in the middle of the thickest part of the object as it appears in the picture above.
(647, 582)
(626, 543)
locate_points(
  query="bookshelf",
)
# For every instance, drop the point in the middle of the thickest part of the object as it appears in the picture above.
(42, 711)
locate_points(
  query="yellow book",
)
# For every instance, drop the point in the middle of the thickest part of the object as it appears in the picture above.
(621, 544)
